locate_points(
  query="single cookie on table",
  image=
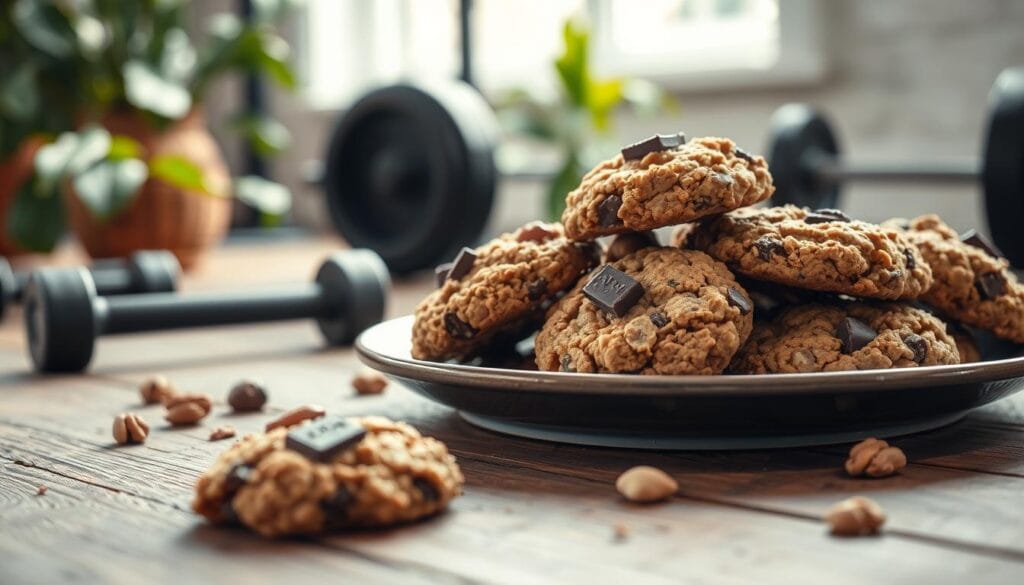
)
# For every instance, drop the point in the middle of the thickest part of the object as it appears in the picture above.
(328, 474)
(851, 335)
(821, 250)
(665, 181)
(973, 282)
(497, 289)
(656, 311)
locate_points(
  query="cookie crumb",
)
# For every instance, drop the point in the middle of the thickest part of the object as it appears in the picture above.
(856, 516)
(369, 382)
(221, 433)
(620, 531)
(874, 458)
(645, 484)
(41, 490)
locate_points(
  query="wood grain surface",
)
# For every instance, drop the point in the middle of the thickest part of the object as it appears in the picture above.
(533, 512)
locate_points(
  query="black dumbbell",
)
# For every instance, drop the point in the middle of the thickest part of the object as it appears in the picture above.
(63, 315)
(410, 172)
(804, 158)
(148, 271)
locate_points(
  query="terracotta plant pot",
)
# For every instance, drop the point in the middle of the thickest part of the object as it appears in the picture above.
(14, 170)
(162, 216)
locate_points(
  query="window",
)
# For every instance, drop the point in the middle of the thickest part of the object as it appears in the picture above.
(681, 44)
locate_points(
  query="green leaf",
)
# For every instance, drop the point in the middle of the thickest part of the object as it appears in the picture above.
(108, 187)
(178, 58)
(567, 179)
(266, 136)
(147, 90)
(273, 59)
(124, 147)
(19, 94)
(177, 171)
(36, 218)
(270, 198)
(602, 97)
(71, 154)
(572, 64)
(44, 27)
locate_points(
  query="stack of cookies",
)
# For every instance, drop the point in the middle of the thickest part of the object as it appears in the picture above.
(741, 289)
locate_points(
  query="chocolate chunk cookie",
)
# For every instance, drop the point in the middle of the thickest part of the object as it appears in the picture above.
(701, 177)
(330, 473)
(509, 282)
(818, 250)
(846, 336)
(690, 317)
(973, 283)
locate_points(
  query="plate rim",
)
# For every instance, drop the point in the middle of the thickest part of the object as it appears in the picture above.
(486, 378)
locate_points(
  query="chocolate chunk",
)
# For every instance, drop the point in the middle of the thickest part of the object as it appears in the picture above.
(625, 244)
(990, 285)
(743, 154)
(659, 319)
(911, 263)
(608, 211)
(462, 264)
(565, 364)
(918, 345)
(430, 493)
(722, 179)
(247, 396)
(237, 477)
(854, 334)
(458, 328)
(973, 238)
(766, 246)
(739, 301)
(536, 232)
(613, 291)
(441, 273)
(826, 215)
(638, 150)
(335, 508)
(536, 290)
(324, 438)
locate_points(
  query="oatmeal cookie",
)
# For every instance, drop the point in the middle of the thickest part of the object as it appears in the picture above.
(846, 336)
(819, 250)
(696, 179)
(690, 317)
(382, 473)
(509, 283)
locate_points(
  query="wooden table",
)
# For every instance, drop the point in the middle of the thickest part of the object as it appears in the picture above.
(532, 512)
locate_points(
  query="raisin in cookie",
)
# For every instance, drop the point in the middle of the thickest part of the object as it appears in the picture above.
(846, 336)
(689, 316)
(375, 473)
(973, 282)
(818, 250)
(509, 282)
(701, 177)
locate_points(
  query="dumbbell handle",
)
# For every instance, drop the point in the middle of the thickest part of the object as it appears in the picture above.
(829, 170)
(108, 282)
(152, 312)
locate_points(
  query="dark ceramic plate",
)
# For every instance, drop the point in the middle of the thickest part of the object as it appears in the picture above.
(699, 412)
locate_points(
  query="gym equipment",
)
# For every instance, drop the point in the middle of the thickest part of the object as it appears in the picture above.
(806, 162)
(148, 271)
(64, 315)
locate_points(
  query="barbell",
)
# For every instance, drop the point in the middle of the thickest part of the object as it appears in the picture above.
(147, 271)
(64, 316)
(808, 167)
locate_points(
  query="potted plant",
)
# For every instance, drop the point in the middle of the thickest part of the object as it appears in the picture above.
(140, 169)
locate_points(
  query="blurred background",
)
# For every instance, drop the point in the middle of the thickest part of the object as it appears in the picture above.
(161, 123)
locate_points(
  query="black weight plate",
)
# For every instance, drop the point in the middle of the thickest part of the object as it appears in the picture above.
(799, 135)
(410, 172)
(1002, 172)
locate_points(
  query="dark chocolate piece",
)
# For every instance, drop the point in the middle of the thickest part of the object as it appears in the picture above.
(659, 319)
(766, 246)
(608, 211)
(638, 150)
(739, 301)
(722, 179)
(613, 291)
(430, 493)
(826, 215)
(335, 508)
(973, 238)
(918, 345)
(536, 290)
(458, 328)
(441, 273)
(565, 364)
(324, 438)
(462, 264)
(536, 232)
(911, 263)
(625, 244)
(743, 154)
(854, 334)
(237, 477)
(990, 285)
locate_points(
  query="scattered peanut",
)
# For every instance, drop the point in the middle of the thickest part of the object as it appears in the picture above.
(41, 490)
(203, 401)
(645, 484)
(856, 516)
(875, 458)
(155, 389)
(186, 413)
(221, 433)
(295, 416)
(369, 382)
(130, 428)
